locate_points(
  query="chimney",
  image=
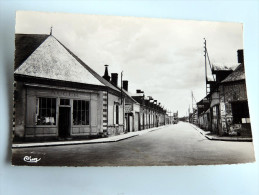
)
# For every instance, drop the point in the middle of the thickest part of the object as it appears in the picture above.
(106, 74)
(114, 79)
(240, 56)
(139, 91)
(125, 85)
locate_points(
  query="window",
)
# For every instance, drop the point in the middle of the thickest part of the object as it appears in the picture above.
(239, 111)
(46, 111)
(117, 114)
(80, 112)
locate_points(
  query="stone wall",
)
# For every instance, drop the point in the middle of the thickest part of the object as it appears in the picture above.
(233, 92)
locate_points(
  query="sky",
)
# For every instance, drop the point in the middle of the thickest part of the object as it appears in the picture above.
(162, 57)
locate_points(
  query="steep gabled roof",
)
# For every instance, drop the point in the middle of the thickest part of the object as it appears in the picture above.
(25, 45)
(52, 60)
(95, 74)
(237, 75)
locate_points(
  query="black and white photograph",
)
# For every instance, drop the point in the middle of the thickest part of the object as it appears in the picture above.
(96, 90)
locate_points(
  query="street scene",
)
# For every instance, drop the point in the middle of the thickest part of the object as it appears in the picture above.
(178, 144)
(112, 91)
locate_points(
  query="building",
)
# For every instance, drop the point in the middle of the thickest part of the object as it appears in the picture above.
(221, 72)
(58, 96)
(234, 111)
(151, 113)
(132, 110)
(224, 110)
(203, 113)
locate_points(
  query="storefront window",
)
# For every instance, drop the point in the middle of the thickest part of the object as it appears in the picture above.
(80, 112)
(46, 111)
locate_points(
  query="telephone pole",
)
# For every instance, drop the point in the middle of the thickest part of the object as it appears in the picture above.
(205, 56)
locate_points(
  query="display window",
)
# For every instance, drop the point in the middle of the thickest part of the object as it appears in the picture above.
(80, 112)
(46, 111)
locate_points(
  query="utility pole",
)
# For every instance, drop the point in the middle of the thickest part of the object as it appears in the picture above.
(205, 56)
(122, 104)
(121, 85)
(189, 113)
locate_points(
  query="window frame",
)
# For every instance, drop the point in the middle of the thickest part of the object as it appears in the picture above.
(87, 115)
(38, 111)
(116, 113)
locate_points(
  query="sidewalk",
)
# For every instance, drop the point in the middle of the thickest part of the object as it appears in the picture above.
(221, 138)
(92, 141)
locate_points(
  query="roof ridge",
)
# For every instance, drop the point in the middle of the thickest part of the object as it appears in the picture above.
(95, 74)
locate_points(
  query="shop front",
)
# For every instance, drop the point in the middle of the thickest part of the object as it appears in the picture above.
(60, 112)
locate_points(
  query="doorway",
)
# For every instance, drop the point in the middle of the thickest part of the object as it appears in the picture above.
(64, 122)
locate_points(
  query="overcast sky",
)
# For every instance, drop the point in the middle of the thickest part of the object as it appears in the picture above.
(162, 57)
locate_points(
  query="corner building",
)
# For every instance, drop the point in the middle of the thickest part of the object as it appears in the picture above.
(58, 96)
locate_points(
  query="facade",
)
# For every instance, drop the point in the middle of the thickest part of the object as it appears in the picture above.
(57, 96)
(151, 113)
(203, 113)
(235, 119)
(224, 111)
(132, 110)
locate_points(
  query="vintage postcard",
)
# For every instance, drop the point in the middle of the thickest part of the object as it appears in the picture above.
(92, 90)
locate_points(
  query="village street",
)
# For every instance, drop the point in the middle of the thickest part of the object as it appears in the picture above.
(178, 144)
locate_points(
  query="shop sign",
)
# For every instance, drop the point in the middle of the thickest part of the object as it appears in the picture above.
(65, 93)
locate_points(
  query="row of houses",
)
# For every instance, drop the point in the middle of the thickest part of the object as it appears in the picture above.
(58, 96)
(224, 110)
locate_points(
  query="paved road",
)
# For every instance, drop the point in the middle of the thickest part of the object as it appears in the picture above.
(178, 144)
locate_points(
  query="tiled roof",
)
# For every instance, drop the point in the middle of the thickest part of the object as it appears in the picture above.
(25, 45)
(52, 60)
(237, 75)
(95, 74)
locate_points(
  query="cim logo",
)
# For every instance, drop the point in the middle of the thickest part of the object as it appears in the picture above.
(31, 160)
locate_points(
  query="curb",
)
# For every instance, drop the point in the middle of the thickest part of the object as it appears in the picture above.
(47, 144)
(239, 139)
(229, 139)
(94, 141)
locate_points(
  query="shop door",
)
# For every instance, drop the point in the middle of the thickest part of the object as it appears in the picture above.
(64, 122)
